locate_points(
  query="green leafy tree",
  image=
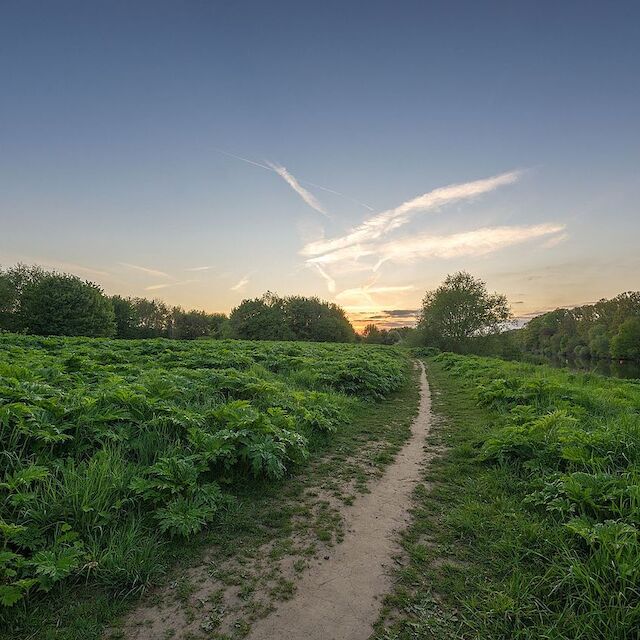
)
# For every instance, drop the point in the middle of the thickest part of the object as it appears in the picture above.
(154, 318)
(460, 309)
(64, 305)
(126, 317)
(188, 325)
(271, 317)
(12, 283)
(626, 343)
(371, 334)
(261, 318)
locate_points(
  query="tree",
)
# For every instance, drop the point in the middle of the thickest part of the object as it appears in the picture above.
(153, 318)
(371, 334)
(626, 343)
(261, 318)
(63, 305)
(126, 317)
(188, 325)
(460, 309)
(294, 318)
(12, 283)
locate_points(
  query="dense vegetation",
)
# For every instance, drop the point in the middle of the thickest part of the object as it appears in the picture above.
(463, 317)
(606, 329)
(110, 447)
(272, 317)
(41, 302)
(534, 520)
(458, 312)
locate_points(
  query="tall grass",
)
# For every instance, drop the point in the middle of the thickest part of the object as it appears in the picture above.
(110, 448)
(567, 529)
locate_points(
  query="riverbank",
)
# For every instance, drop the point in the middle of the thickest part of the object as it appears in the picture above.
(527, 524)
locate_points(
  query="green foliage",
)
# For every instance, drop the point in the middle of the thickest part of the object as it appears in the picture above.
(58, 304)
(111, 447)
(608, 328)
(458, 311)
(374, 335)
(626, 343)
(293, 318)
(569, 446)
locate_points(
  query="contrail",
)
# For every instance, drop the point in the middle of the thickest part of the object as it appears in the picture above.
(311, 184)
(309, 198)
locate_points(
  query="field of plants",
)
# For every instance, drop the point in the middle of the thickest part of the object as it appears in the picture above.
(535, 513)
(112, 447)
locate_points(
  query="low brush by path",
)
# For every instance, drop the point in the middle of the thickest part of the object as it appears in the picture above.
(301, 585)
(340, 598)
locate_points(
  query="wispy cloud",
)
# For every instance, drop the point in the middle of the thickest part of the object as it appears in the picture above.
(199, 269)
(470, 243)
(308, 197)
(382, 223)
(366, 294)
(272, 167)
(556, 240)
(239, 286)
(150, 272)
(165, 285)
(331, 283)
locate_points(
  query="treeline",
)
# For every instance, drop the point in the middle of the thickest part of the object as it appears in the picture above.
(606, 329)
(36, 301)
(461, 315)
(33, 300)
(272, 317)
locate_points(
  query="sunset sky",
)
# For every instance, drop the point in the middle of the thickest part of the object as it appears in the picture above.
(203, 152)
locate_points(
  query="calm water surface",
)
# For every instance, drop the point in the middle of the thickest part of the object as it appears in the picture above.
(613, 368)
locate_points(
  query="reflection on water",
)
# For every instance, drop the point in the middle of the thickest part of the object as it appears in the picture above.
(613, 368)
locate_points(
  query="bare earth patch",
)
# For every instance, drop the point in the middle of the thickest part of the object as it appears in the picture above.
(325, 581)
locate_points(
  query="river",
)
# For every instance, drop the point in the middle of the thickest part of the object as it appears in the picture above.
(613, 368)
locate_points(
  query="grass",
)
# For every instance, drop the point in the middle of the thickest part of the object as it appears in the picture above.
(355, 436)
(526, 524)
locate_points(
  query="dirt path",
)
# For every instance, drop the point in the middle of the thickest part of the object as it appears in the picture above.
(339, 599)
(322, 580)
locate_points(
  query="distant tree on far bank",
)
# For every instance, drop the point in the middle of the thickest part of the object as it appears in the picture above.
(606, 329)
(459, 311)
(272, 317)
(626, 343)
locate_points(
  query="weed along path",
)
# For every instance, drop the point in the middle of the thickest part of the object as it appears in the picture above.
(339, 598)
(317, 563)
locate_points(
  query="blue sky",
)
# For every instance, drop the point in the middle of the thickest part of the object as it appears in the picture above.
(113, 116)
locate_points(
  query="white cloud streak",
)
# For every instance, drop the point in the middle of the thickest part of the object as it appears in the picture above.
(471, 243)
(331, 283)
(150, 272)
(308, 197)
(165, 285)
(199, 269)
(382, 223)
(239, 286)
(555, 241)
(272, 167)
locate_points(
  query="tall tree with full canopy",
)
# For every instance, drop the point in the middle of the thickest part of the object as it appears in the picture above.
(460, 309)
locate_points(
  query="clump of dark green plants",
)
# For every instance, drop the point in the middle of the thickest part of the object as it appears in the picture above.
(111, 448)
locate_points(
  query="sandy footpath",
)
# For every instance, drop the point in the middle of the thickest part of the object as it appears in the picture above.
(340, 598)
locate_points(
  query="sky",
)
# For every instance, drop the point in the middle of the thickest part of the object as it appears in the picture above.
(203, 152)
